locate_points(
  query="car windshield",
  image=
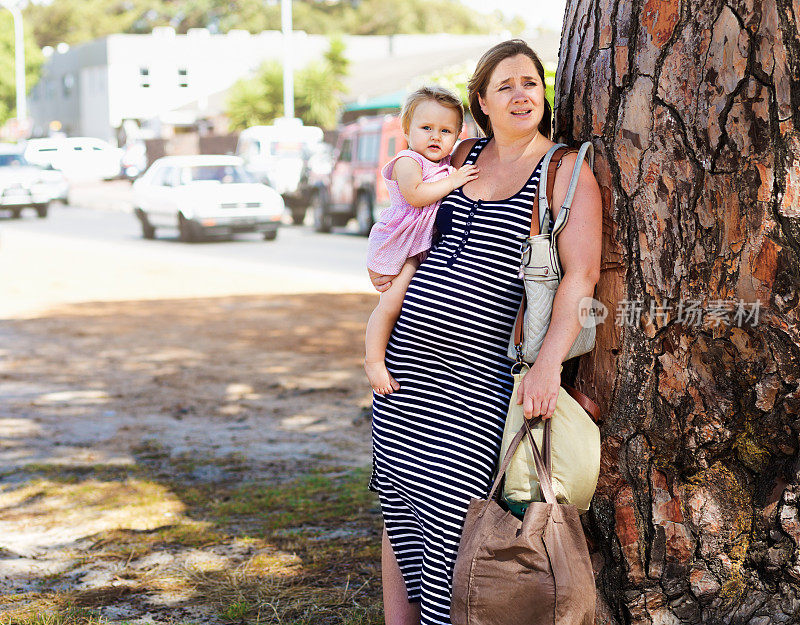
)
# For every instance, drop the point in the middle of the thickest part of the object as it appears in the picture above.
(7, 160)
(225, 174)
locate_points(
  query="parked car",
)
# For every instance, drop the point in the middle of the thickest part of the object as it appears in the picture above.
(24, 185)
(80, 158)
(279, 156)
(354, 187)
(203, 196)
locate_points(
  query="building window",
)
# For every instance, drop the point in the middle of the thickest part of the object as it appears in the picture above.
(67, 83)
(183, 77)
(144, 76)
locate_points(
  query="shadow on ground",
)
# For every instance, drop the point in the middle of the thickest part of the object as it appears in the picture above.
(188, 461)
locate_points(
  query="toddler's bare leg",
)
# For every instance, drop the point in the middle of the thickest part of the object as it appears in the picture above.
(379, 328)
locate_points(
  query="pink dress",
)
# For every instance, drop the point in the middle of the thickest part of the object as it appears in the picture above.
(404, 230)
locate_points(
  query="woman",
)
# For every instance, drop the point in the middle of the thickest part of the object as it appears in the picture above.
(437, 438)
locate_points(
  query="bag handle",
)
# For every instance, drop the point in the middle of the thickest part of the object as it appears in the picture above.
(586, 151)
(550, 163)
(542, 467)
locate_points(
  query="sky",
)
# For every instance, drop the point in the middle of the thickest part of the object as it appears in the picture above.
(544, 13)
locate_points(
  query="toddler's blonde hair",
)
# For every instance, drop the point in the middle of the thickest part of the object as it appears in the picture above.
(433, 93)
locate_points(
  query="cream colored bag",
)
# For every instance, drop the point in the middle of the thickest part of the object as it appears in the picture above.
(540, 267)
(575, 453)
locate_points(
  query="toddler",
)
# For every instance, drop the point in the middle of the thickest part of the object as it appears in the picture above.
(417, 179)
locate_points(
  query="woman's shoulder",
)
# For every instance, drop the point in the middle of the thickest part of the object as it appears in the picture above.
(461, 151)
(567, 164)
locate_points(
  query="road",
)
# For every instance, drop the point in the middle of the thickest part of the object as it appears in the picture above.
(98, 254)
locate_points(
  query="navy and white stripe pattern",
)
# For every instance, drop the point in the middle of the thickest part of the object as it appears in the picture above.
(436, 440)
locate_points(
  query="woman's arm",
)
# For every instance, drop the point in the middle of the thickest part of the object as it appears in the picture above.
(579, 248)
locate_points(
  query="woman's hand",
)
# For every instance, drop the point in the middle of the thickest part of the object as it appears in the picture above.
(538, 390)
(380, 281)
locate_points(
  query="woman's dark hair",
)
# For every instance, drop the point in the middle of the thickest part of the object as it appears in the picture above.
(483, 71)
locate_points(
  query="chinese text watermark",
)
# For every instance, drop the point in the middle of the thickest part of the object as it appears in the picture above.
(692, 312)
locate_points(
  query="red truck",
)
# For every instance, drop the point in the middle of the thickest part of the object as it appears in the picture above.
(354, 188)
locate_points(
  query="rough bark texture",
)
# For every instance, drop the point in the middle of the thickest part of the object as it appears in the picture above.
(694, 111)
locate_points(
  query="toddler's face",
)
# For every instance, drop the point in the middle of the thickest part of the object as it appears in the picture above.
(433, 130)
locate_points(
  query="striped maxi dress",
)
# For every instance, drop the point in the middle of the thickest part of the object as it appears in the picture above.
(436, 441)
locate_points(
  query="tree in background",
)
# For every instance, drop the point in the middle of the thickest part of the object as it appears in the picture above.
(33, 64)
(694, 110)
(318, 92)
(457, 77)
(76, 21)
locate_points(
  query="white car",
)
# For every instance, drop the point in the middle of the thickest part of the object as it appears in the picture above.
(24, 185)
(80, 158)
(205, 195)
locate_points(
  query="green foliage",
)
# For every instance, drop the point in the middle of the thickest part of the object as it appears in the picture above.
(317, 97)
(454, 78)
(75, 21)
(257, 100)
(33, 64)
(457, 77)
(317, 92)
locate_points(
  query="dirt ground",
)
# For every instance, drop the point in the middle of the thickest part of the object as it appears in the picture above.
(197, 460)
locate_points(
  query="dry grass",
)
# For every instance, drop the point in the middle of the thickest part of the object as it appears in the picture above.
(73, 608)
(296, 552)
(241, 596)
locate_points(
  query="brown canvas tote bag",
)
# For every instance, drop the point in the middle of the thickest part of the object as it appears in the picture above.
(531, 572)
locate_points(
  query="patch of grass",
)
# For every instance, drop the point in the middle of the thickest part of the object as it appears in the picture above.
(46, 609)
(289, 600)
(313, 499)
(121, 542)
(73, 474)
(237, 611)
(297, 551)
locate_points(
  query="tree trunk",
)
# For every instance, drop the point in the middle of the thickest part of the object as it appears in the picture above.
(694, 111)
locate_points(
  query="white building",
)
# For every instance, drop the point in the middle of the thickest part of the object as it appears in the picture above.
(90, 89)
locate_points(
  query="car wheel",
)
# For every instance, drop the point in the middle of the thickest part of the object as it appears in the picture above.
(187, 231)
(271, 235)
(41, 210)
(364, 215)
(148, 231)
(322, 220)
(16, 213)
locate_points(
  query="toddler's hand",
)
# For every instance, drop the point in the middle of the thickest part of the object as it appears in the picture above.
(463, 175)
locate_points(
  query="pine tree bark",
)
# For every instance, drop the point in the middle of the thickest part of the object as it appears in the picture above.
(693, 107)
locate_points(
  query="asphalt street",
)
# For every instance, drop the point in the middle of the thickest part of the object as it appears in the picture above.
(92, 254)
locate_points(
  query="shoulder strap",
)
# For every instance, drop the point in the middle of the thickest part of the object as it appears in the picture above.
(468, 159)
(586, 151)
(550, 162)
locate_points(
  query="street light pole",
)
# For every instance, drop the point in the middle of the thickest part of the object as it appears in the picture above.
(19, 58)
(288, 70)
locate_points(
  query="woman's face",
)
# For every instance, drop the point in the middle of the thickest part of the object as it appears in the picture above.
(514, 99)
